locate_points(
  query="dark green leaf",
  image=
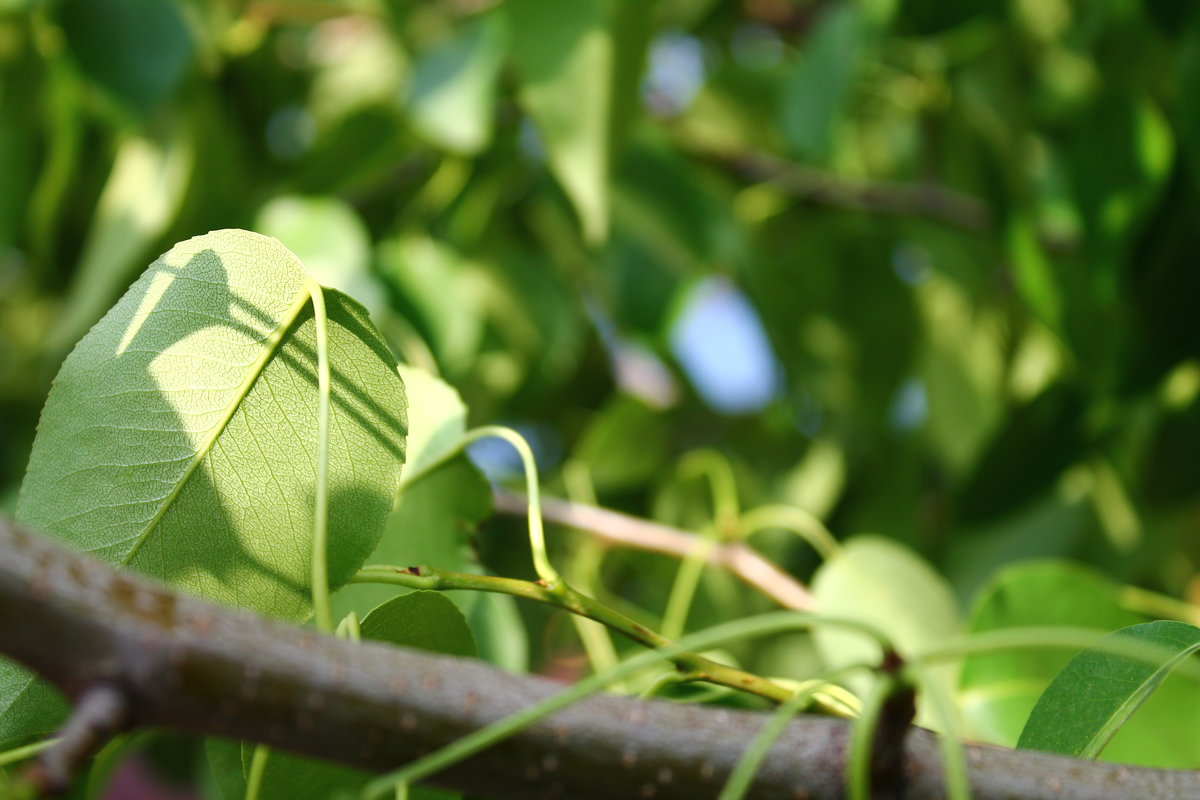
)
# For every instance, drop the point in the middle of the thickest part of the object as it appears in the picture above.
(137, 49)
(1097, 692)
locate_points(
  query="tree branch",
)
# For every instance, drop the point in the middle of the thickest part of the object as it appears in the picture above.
(182, 663)
(930, 200)
(623, 530)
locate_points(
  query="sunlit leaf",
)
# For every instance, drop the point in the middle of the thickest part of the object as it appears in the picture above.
(141, 197)
(883, 583)
(437, 419)
(330, 239)
(180, 436)
(454, 86)
(1097, 692)
(563, 52)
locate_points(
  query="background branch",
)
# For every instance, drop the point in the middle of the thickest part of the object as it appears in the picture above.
(186, 664)
(623, 530)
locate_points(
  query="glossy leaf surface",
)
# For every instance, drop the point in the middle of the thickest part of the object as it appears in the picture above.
(1098, 692)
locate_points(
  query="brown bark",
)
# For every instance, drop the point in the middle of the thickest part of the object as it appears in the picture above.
(178, 662)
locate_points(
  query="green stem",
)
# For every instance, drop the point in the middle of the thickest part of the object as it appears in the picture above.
(584, 572)
(537, 535)
(747, 766)
(715, 466)
(1161, 606)
(762, 625)
(683, 590)
(349, 628)
(862, 738)
(24, 752)
(956, 776)
(322, 606)
(568, 599)
(1050, 638)
(796, 520)
(258, 768)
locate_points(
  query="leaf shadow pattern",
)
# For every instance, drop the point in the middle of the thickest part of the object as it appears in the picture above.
(180, 437)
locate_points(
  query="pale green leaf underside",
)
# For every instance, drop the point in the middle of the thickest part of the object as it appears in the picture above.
(1097, 692)
(179, 438)
(437, 419)
(887, 585)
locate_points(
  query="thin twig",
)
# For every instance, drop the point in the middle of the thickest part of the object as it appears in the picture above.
(566, 598)
(931, 200)
(624, 530)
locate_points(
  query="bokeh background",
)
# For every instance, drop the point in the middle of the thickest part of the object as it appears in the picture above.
(924, 269)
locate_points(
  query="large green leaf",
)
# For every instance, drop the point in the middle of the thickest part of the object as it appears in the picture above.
(180, 437)
(998, 690)
(564, 54)
(1097, 692)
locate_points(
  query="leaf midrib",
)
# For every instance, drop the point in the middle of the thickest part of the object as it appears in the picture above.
(273, 343)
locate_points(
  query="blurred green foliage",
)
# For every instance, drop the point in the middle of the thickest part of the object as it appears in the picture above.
(937, 260)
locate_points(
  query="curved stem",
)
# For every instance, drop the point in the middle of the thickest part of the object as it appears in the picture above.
(570, 600)
(762, 625)
(862, 739)
(322, 606)
(715, 467)
(796, 520)
(1154, 604)
(747, 766)
(1049, 637)
(537, 537)
(683, 590)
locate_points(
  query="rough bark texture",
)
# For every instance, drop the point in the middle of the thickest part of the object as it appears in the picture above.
(186, 664)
